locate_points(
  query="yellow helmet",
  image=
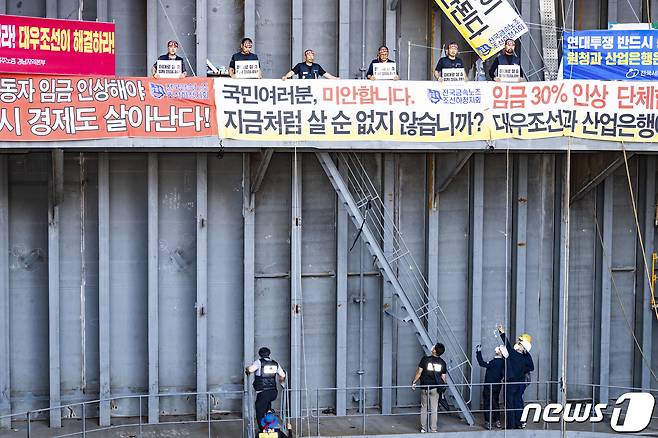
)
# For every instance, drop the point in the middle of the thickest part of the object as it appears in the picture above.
(526, 337)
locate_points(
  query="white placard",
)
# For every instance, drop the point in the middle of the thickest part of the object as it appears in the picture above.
(384, 70)
(509, 73)
(453, 75)
(247, 69)
(169, 69)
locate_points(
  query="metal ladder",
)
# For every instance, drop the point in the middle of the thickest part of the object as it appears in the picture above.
(364, 205)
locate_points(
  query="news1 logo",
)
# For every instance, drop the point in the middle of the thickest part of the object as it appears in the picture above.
(637, 416)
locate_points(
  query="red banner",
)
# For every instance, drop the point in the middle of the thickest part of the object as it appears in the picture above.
(48, 46)
(50, 108)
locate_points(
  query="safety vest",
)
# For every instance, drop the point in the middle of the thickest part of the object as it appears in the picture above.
(266, 379)
(273, 434)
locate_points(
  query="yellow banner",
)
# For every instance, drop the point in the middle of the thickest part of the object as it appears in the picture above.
(484, 24)
(431, 112)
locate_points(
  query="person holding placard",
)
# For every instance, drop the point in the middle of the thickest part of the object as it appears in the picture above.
(450, 68)
(244, 64)
(169, 65)
(308, 69)
(507, 66)
(382, 68)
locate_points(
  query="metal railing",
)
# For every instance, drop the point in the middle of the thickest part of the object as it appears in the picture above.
(316, 416)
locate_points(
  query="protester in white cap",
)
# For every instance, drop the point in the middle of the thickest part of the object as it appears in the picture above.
(492, 378)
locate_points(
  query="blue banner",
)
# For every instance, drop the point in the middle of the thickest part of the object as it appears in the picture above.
(610, 55)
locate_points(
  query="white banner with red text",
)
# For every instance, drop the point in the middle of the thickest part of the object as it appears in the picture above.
(350, 110)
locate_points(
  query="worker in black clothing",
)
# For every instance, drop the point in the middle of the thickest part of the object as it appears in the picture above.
(517, 365)
(172, 48)
(243, 55)
(382, 57)
(507, 57)
(492, 378)
(451, 60)
(308, 69)
(431, 372)
(266, 371)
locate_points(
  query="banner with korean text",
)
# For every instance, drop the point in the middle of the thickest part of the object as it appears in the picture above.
(46, 108)
(270, 110)
(611, 55)
(49, 46)
(484, 24)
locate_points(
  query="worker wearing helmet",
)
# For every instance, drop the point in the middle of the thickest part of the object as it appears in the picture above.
(266, 371)
(518, 364)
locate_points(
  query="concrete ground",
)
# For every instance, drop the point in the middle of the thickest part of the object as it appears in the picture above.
(402, 425)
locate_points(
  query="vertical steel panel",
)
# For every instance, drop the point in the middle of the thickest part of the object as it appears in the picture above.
(272, 258)
(176, 283)
(201, 36)
(201, 283)
(28, 280)
(374, 34)
(249, 314)
(296, 35)
(318, 243)
(296, 295)
(35, 8)
(477, 276)
(649, 247)
(412, 207)
(136, 30)
(104, 285)
(5, 377)
(521, 225)
(622, 300)
(55, 199)
(152, 37)
(389, 191)
(229, 16)
(273, 28)
(153, 289)
(176, 21)
(128, 281)
(249, 23)
(413, 28)
(432, 245)
(102, 11)
(344, 39)
(606, 288)
(320, 27)
(342, 222)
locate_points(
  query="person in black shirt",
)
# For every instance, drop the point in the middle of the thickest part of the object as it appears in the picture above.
(308, 69)
(518, 364)
(494, 375)
(449, 61)
(243, 55)
(266, 371)
(172, 47)
(431, 372)
(382, 56)
(506, 58)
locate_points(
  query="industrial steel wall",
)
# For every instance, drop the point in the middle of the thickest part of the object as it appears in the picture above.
(488, 237)
(515, 198)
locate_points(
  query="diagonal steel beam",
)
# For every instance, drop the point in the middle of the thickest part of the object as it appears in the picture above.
(589, 170)
(455, 165)
(264, 163)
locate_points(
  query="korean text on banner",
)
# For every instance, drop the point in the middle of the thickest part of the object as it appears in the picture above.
(50, 108)
(485, 24)
(611, 55)
(48, 46)
(350, 110)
